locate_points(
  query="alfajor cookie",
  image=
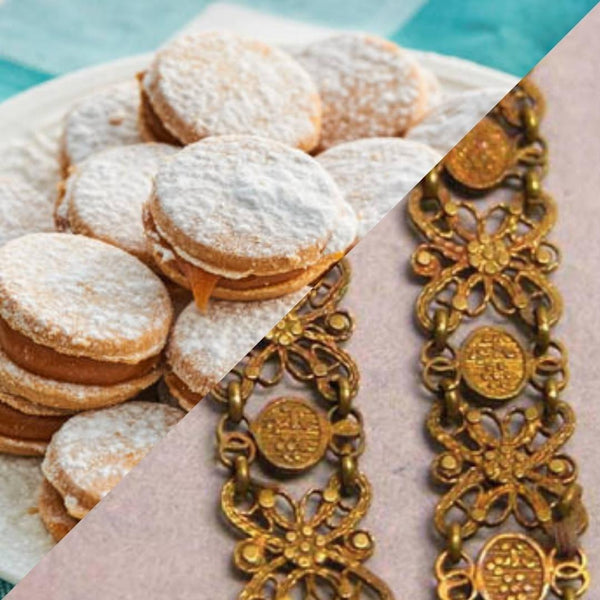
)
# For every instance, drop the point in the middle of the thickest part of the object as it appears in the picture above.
(369, 87)
(26, 427)
(215, 83)
(82, 323)
(374, 174)
(205, 346)
(53, 512)
(22, 210)
(243, 218)
(104, 119)
(104, 196)
(448, 122)
(94, 450)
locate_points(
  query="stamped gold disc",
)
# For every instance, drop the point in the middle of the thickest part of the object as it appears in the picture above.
(481, 159)
(512, 566)
(493, 363)
(291, 434)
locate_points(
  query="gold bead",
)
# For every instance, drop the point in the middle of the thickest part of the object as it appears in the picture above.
(361, 541)
(266, 498)
(252, 554)
(449, 462)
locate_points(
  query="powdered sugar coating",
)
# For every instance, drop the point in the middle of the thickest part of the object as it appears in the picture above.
(93, 451)
(247, 197)
(83, 297)
(435, 95)
(204, 347)
(369, 87)
(102, 120)
(105, 195)
(345, 232)
(376, 173)
(69, 396)
(22, 210)
(448, 122)
(218, 83)
(23, 537)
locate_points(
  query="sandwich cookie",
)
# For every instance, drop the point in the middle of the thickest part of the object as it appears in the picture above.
(243, 218)
(93, 451)
(102, 120)
(212, 83)
(374, 174)
(448, 122)
(53, 512)
(22, 210)
(105, 194)
(205, 346)
(369, 87)
(26, 427)
(82, 323)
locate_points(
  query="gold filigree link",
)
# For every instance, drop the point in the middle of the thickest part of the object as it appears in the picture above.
(311, 548)
(510, 465)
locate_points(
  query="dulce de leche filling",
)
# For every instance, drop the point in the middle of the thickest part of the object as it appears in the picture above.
(203, 283)
(179, 388)
(20, 426)
(46, 362)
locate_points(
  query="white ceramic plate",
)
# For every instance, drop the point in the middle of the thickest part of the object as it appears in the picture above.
(30, 125)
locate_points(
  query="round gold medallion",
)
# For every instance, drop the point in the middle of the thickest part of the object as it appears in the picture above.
(512, 566)
(481, 159)
(493, 364)
(291, 434)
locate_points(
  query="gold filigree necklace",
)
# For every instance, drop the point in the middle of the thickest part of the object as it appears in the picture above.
(312, 548)
(498, 414)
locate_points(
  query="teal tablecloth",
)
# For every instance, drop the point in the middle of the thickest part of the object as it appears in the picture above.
(40, 39)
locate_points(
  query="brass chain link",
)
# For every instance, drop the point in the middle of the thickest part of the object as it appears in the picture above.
(485, 217)
(312, 547)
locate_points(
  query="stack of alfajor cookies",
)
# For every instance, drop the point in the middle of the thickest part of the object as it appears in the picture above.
(231, 172)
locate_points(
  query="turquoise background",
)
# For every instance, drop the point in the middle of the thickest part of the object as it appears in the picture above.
(41, 39)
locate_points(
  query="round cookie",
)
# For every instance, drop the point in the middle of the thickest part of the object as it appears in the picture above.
(24, 433)
(102, 120)
(104, 348)
(369, 87)
(23, 210)
(94, 450)
(448, 122)
(216, 83)
(53, 513)
(376, 173)
(105, 194)
(205, 346)
(435, 94)
(241, 212)
(31, 408)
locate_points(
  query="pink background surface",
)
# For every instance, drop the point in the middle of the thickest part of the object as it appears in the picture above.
(160, 534)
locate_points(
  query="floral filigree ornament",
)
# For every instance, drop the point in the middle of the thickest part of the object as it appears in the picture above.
(312, 548)
(473, 259)
(498, 467)
(483, 253)
(304, 344)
